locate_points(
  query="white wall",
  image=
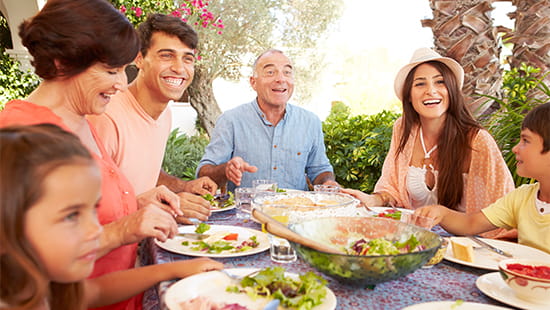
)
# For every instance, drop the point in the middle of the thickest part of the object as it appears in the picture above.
(183, 117)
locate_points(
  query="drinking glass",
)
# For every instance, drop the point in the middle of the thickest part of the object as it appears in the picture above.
(280, 249)
(243, 199)
(262, 187)
(265, 185)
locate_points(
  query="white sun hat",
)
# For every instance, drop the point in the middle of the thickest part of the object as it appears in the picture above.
(422, 55)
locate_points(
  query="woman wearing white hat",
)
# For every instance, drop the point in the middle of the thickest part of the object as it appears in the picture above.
(439, 153)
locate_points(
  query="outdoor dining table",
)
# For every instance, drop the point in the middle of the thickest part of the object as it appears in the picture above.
(442, 282)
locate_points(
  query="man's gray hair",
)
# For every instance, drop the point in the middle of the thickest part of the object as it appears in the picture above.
(271, 50)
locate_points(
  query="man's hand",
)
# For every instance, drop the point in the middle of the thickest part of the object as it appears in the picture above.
(193, 206)
(235, 167)
(201, 186)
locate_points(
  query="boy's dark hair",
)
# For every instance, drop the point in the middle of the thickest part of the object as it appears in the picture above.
(170, 25)
(538, 121)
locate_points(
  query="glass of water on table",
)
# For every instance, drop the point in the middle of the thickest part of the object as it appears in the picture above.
(280, 249)
(243, 199)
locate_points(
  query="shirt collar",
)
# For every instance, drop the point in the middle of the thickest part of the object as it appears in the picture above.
(261, 114)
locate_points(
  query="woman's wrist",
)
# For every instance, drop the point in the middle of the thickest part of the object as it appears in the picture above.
(383, 198)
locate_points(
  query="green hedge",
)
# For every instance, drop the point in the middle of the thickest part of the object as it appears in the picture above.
(183, 154)
(357, 145)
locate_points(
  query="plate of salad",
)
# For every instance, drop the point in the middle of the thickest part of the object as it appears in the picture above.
(254, 291)
(221, 202)
(222, 241)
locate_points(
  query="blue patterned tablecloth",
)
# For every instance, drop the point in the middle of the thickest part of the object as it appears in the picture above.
(445, 281)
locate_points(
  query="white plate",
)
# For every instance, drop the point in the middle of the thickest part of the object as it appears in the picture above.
(231, 207)
(452, 305)
(487, 259)
(174, 245)
(212, 285)
(492, 285)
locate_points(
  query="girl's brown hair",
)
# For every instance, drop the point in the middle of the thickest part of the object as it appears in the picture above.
(28, 155)
(455, 140)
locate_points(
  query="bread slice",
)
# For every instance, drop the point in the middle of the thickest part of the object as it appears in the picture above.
(462, 249)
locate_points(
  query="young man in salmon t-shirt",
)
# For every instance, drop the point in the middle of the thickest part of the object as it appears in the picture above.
(137, 122)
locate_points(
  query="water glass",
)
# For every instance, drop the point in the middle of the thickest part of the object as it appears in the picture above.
(280, 249)
(326, 188)
(243, 200)
(264, 186)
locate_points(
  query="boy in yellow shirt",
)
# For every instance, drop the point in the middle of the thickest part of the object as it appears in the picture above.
(526, 208)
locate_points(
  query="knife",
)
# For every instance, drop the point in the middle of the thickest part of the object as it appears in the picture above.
(195, 236)
(490, 247)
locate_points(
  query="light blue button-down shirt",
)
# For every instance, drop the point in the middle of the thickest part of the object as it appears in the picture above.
(284, 153)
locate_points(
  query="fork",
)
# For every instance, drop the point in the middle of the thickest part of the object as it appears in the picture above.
(238, 278)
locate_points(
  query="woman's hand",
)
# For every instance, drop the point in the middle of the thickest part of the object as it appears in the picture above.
(365, 199)
(149, 221)
(162, 198)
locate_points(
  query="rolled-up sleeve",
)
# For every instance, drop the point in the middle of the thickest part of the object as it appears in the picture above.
(220, 148)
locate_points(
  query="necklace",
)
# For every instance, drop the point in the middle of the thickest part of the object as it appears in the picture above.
(427, 161)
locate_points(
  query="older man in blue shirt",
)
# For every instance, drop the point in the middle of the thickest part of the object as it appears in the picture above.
(268, 138)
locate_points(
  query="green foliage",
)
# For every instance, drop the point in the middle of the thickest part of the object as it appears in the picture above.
(357, 145)
(136, 10)
(505, 124)
(14, 83)
(183, 154)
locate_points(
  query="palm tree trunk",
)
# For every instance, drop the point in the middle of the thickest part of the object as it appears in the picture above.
(202, 99)
(463, 30)
(531, 37)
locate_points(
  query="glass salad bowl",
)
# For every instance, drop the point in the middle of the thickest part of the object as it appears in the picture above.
(368, 269)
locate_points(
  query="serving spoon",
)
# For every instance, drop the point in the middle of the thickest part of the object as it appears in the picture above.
(276, 228)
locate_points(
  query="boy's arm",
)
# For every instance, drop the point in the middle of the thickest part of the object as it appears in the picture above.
(457, 223)
(121, 285)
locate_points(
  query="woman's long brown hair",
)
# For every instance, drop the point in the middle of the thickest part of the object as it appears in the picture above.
(29, 154)
(454, 142)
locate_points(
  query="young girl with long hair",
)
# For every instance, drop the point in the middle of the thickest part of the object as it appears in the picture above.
(49, 232)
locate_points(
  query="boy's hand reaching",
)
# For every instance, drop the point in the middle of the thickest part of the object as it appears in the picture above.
(436, 212)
